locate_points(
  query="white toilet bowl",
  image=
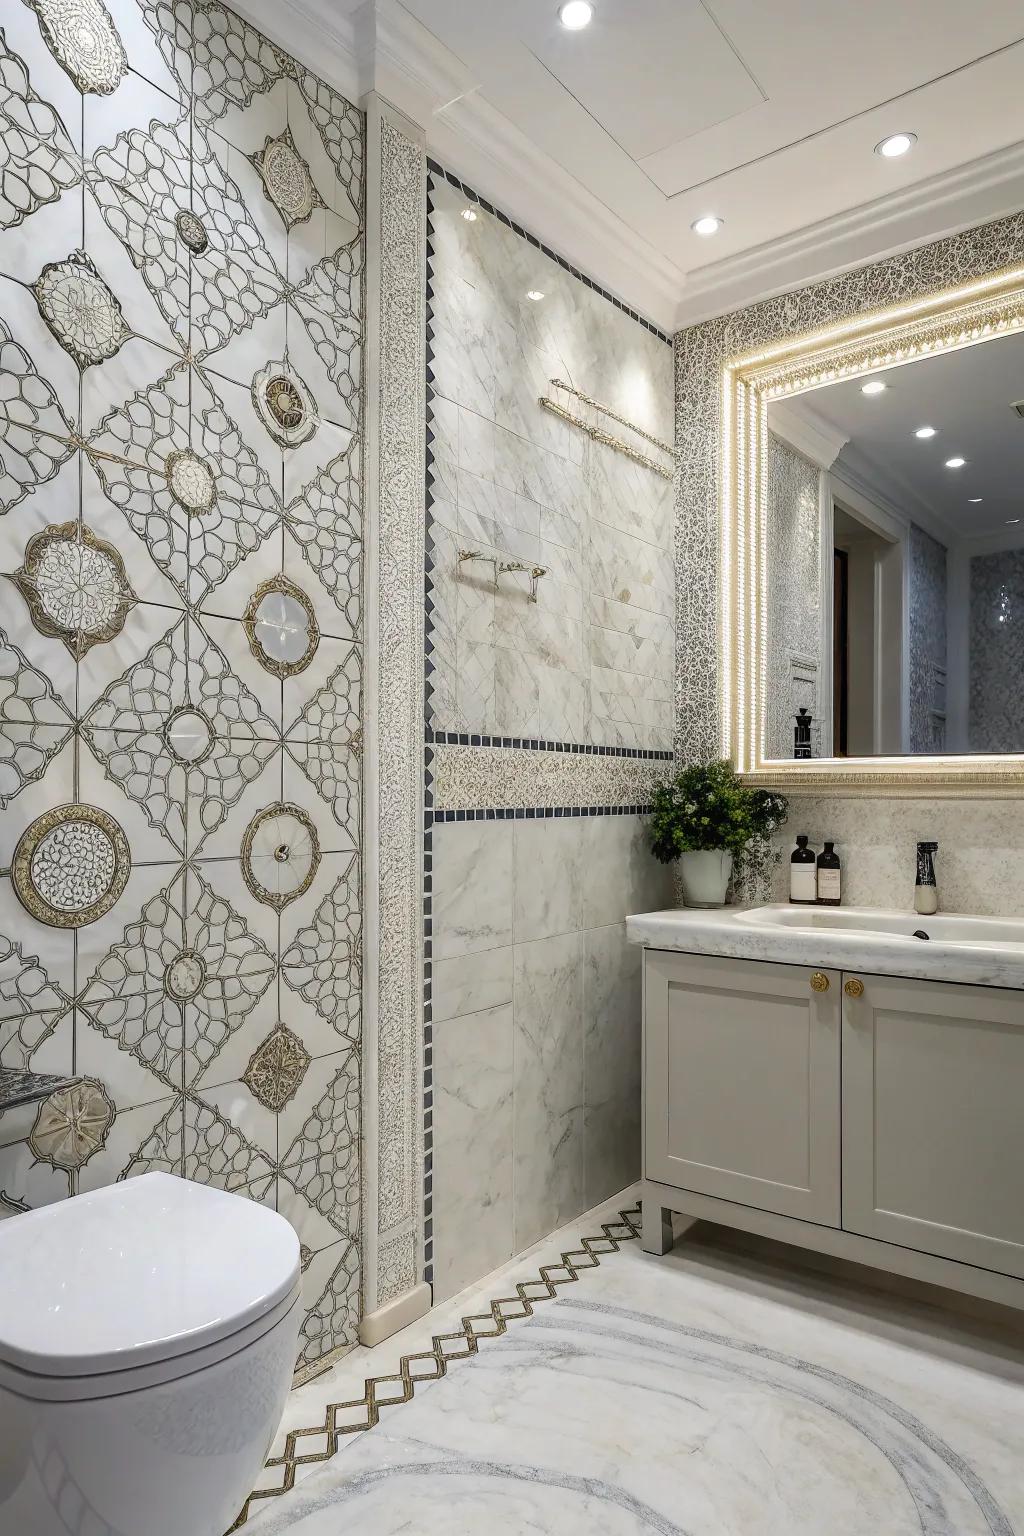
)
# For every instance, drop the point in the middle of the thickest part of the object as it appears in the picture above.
(147, 1341)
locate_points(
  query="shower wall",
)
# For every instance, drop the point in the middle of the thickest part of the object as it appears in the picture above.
(181, 259)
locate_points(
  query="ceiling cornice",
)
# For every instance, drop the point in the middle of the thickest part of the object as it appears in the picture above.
(985, 189)
(803, 429)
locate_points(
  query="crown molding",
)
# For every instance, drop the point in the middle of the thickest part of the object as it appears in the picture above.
(985, 189)
(803, 429)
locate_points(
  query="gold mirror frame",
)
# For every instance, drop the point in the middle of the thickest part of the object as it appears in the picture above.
(965, 316)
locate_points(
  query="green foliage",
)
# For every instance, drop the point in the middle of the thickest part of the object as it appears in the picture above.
(706, 807)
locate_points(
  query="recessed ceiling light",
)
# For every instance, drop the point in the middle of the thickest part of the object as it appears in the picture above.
(973, 500)
(707, 224)
(895, 145)
(534, 294)
(469, 214)
(576, 14)
(925, 432)
(873, 387)
(956, 463)
(1011, 522)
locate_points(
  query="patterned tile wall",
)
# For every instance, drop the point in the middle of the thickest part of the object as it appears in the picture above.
(181, 257)
(996, 718)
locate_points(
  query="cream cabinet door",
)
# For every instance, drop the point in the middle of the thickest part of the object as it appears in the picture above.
(933, 1119)
(741, 1082)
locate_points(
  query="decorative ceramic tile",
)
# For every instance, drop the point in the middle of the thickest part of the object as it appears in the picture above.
(163, 899)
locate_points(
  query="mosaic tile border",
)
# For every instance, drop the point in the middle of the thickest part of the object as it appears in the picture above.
(524, 234)
(537, 744)
(363, 1413)
(468, 778)
(541, 812)
(701, 353)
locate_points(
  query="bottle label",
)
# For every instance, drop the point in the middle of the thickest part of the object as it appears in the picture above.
(829, 884)
(801, 882)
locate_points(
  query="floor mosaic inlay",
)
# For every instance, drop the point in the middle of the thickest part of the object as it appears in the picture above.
(340, 1419)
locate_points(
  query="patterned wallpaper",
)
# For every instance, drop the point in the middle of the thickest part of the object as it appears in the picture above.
(926, 628)
(181, 256)
(794, 588)
(700, 354)
(996, 708)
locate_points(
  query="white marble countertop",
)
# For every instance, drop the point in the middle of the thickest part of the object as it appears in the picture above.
(983, 951)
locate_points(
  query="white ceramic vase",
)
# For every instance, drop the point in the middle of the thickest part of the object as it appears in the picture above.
(705, 877)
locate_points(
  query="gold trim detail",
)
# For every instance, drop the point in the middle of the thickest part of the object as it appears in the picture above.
(34, 835)
(385, 1391)
(854, 987)
(281, 583)
(948, 321)
(599, 435)
(281, 856)
(820, 982)
(606, 410)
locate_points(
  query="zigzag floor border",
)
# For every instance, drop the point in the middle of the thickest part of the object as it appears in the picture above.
(446, 1348)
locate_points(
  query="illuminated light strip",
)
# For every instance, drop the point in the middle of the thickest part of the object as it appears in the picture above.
(600, 436)
(759, 692)
(1009, 279)
(728, 514)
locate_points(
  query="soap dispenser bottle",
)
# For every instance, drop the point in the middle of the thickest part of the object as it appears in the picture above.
(830, 877)
(803, 884)
(926, 890)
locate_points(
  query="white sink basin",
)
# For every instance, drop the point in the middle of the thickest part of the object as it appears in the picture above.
(943, 928)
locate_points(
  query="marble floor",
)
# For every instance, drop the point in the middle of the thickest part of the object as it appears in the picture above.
(725, 1388)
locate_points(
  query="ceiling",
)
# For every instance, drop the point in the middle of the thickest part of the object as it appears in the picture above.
(610, 142)
(967, 396)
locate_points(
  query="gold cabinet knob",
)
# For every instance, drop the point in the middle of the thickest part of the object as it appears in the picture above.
(854, 987)
(820, 982)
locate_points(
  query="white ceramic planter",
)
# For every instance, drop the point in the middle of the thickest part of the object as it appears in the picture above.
(705, 877)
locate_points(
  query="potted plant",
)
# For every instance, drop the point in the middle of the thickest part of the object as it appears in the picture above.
(712, 823)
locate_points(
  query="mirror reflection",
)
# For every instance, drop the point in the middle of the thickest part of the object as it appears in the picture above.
(894, 577)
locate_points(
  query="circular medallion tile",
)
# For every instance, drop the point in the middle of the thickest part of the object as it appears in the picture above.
(285, 405)
(184, 976)
(75, 586)
(286, 179)
(83, 39)
(191, 481)
(280, 854)
(281, 626)
(80, 309)
(192, 231)
(71, 865)
(188, 734)
(72, 1124)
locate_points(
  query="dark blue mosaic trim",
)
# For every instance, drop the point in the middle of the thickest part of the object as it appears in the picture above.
(534, 813)
(535, 744)
(567, 266)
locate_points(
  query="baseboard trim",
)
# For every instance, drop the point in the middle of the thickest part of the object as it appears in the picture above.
(380, 1325)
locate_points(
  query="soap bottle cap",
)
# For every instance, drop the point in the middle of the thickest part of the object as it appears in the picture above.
(829, 847)
(801, 841)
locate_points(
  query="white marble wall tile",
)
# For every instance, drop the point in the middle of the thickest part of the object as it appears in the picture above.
(471, 983)
(612, 1012)
(549, 872)
(631, 571)
(548, 1010)
(472, 887)
(623, 876)
(473, 1083)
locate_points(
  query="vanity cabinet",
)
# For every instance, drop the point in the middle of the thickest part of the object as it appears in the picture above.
(875, 1118)
(933, 1119)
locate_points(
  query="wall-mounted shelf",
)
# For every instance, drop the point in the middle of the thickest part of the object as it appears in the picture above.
(20, 1087)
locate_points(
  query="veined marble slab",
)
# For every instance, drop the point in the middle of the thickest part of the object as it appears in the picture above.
(704, 1394)
(987, 952)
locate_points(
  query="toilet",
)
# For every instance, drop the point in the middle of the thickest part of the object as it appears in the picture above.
(148, 1333)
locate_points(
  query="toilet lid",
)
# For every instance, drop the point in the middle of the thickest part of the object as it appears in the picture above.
(137, 1272)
